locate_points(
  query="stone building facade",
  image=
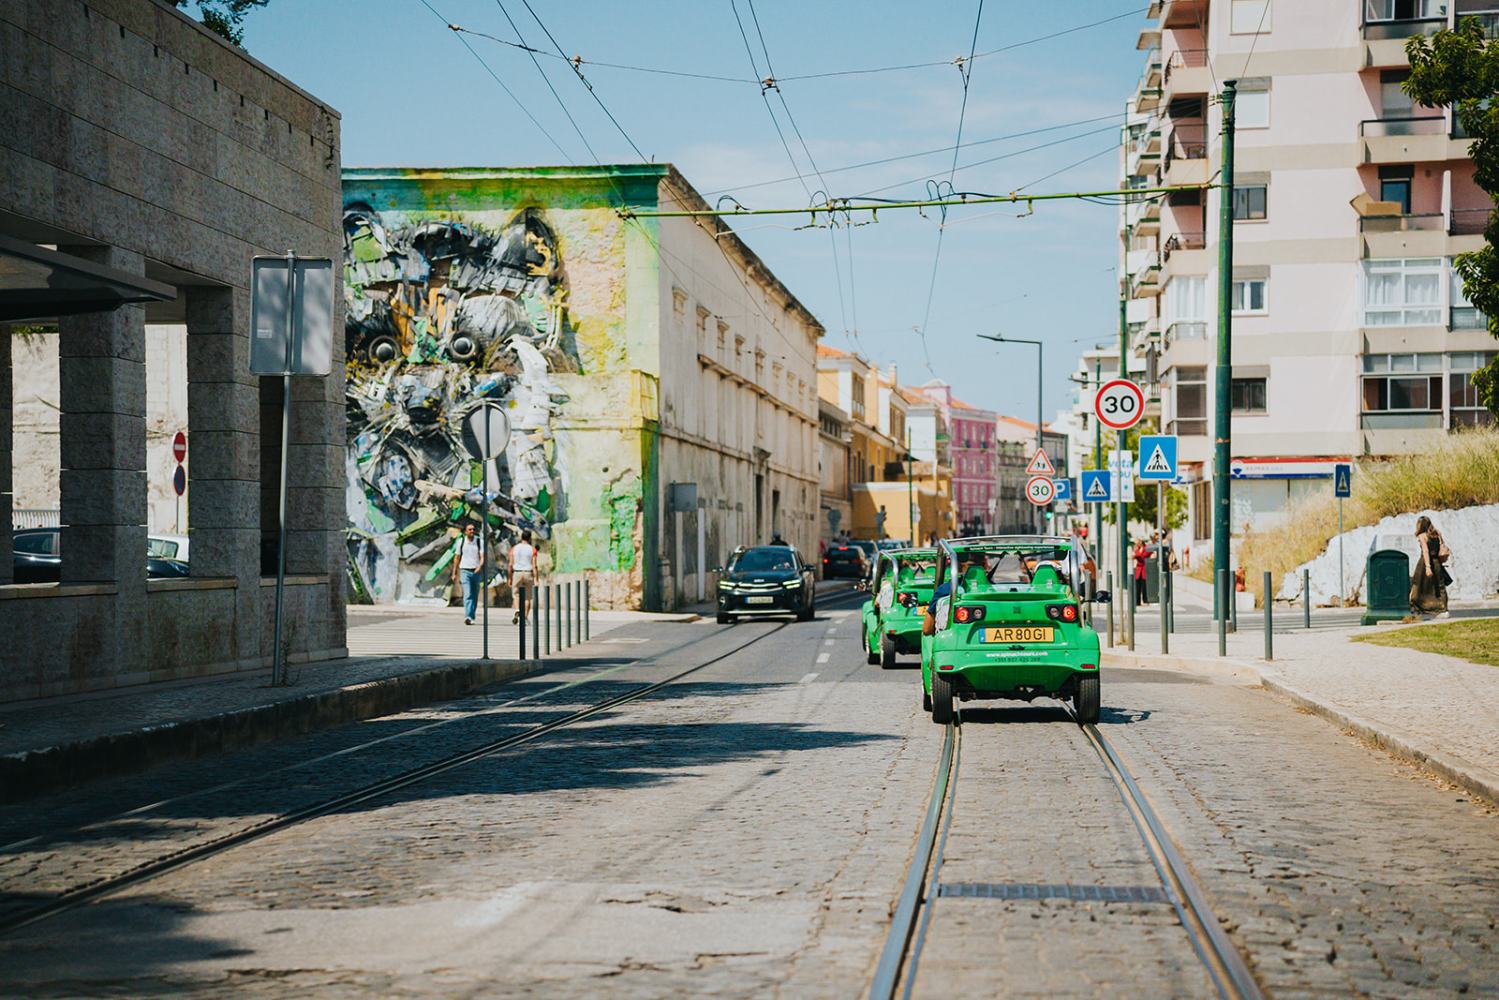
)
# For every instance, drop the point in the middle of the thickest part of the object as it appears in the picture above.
(143, 163)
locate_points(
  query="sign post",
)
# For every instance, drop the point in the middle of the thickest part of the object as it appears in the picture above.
(291, 333)
(1342, 487)
(486, 435)
(179, 474)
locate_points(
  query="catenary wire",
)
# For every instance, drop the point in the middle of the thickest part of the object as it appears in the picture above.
(546, 79)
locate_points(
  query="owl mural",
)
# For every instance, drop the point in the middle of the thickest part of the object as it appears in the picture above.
(442, 316)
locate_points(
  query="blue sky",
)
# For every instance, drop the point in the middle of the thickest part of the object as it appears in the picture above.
(410, 94)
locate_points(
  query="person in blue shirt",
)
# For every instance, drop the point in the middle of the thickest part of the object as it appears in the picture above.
(929, 620)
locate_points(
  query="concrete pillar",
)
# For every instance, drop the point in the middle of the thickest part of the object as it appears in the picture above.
(102, 397)
(7, 499)
(223, 512)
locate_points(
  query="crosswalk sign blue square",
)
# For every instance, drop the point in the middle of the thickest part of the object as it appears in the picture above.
(1063, 489)
(1158, 457)
(1095, 487)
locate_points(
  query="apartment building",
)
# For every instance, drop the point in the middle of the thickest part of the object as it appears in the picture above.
(971, 453)
(835, 467)
(1350, 333)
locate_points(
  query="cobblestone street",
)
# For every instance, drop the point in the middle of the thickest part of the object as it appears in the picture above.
(743, 831)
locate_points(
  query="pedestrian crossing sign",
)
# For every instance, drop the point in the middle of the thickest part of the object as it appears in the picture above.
(1040, 465)
(1158, 457)
(1342, 480)
(1095, 487)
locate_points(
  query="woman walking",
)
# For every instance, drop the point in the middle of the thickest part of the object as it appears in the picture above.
(1141, 554)
(1430, 578)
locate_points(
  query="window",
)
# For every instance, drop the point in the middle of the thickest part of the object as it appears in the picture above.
(1248, 295)
(1402, 383)
(1252, 108)
(1403, 292)
(1247, 395)
(1249, 17)
(1395, 185)
(856, 404)
(1403, 10)
(1464, 315)
(1394, 102)
(1467, 411)
(1186, 308)
(1249, 202)
(1191, 402)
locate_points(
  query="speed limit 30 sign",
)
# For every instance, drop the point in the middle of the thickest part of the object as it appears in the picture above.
(1040, 490)
(1119, 404)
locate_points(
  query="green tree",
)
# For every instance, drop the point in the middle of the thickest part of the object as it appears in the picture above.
(1461, 68)
(225, 17)
(1147, 494)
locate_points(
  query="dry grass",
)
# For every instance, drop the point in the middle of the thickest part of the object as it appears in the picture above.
(1462, 472)
(1476, 641)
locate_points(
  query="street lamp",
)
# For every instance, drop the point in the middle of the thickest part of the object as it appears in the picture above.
(1040, 352)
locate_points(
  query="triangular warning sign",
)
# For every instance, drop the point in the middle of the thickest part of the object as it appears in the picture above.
(1342, 479)
(1096, 489)
(1040, 465)
(1157, 464)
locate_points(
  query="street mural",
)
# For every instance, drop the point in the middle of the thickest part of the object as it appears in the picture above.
(442, 316)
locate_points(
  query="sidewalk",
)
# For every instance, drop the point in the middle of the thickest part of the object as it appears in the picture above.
(400, 657)
(1436, 710)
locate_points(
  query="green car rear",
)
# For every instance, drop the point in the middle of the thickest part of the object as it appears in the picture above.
(1009, 625)
(901, 585)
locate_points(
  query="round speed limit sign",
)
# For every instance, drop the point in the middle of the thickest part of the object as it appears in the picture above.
(1119, 404)
(1040, 490)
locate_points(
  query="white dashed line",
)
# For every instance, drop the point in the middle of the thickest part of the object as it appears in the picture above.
(824, 657)
(808, 679)
(829, 642)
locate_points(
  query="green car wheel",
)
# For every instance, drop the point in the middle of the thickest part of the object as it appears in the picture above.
(942, 700)
(887, 652)
(1085, 701)
(870, 655)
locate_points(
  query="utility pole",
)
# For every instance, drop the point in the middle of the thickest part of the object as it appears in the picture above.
(1038, 514)
(910, 492)
(1098, 464)
(1121, 509)
(1223, 373)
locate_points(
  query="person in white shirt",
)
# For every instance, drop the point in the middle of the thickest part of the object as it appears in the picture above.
(468, 569)
(522, 573)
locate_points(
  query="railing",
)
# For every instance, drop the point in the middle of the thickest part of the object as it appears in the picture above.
(34, 517)
(1192, 427)
(1183, 241)
(1467, 318)
(1185, 59)
(1468, 221)
(1186, 329)
(1187, 144)
(1423, 223)
(1423, 125)
(1489, 19)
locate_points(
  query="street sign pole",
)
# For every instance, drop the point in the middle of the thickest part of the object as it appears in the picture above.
(1099, 563)
(484, 543)
(1223, 373)
(278, 663)
(1121, 509)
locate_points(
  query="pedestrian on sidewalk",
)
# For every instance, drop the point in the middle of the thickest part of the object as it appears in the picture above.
(468, 570)
(1141, 554)
(1085, 557)
(522, 574)
(1430, 578)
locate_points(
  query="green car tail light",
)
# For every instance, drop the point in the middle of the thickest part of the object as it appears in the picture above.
(1087, 666)
(1062, 613)
(908, 598)
(968, 613)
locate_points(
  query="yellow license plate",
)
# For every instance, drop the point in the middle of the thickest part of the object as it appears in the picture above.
(1018, 633)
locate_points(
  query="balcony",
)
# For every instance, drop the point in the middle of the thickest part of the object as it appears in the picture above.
(1430, 222)
(1144, 155)
(1488, 19)
(1468, 221)
(1148, 90)
(1466, 318)
(1410, 139)
(1143, 217)
(1184, 253)
(1186, 73)
(1410, 235)
(1187, 156)
(1186, 329)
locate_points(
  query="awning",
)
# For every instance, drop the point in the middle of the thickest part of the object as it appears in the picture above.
(37, 283)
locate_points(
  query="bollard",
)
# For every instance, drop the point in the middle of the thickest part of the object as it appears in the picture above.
(1233, 604)
(578, 609)
(1129, 632)
(1160, 606)
(1170, 609)
(520, 614)
(535, 622)
(1269, 623)
(557, 599)
(1306, 598)
(587, 610)
(1223, 580)
(1109, 577)
(567, 614)
(546, 620)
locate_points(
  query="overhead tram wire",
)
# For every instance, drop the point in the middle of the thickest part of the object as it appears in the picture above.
(458, 33)
(546, 79)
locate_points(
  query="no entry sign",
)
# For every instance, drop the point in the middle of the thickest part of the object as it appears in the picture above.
(179, 446)
(1119, 404)
(1040, 490)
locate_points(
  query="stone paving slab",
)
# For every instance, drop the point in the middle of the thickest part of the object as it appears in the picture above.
(1438, 711)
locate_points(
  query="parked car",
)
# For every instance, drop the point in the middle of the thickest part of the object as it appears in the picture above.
(38, 555)
(844, 561)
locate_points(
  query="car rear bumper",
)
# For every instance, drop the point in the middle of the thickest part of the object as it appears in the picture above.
(998, 673)
(780, 603)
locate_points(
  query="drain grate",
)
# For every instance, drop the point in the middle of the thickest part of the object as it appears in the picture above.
(1040, 890)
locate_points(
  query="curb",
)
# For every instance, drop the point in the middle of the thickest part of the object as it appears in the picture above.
(33, 772)
(1453, 769)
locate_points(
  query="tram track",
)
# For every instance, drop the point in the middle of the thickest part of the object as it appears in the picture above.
(895, 972)
(85, 892)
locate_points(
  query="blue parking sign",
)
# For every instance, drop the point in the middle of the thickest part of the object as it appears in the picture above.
(1095, 487)
(1063, 489)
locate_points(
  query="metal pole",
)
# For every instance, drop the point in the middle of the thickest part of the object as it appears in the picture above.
(1223, 372)
(557, 598)
(1269, 625)
(1233, 603)
(1342, 584)
(1131, 630)
(484, 542)
(1160, 556)
(588, 608)
(520, 607)
(1040, 514)
(278, 661)
(1121, 509)
(578, 608)
(1113, 599)
(911, 490)
(1222, 575)
(567, 613)
(1098, 560)
(1306, 598)
(546, 620)
(535, 618)
(1170, 608)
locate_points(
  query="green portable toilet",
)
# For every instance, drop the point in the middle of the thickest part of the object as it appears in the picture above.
(1387, 581)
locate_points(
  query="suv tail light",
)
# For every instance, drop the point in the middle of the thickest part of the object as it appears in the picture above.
(1062, 612)
(968, 613)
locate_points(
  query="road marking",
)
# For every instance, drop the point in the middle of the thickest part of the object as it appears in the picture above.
(829, 642)
(808, 679)
(824, 657)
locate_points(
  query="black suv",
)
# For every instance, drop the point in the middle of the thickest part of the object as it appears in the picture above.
(766, 580)
(847, 561)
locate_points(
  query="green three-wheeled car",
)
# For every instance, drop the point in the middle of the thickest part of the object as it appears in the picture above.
(900, 587)
(1008, 624)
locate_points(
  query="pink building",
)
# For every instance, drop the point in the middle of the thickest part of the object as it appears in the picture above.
(974, 481)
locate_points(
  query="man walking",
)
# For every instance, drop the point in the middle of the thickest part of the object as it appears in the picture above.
(468, 569)
(522, 574)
